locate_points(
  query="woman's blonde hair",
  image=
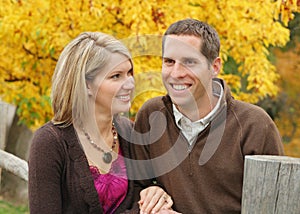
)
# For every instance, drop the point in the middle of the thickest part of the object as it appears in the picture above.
(80, 61)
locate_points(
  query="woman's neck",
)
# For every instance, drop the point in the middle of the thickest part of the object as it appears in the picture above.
(104, 124)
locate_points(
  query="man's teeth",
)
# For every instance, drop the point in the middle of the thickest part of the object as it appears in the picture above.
(179, 87)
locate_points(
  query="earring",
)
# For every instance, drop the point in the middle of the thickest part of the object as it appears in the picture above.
(89, 92)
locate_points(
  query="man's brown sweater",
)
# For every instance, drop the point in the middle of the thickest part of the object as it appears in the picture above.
(207, 176)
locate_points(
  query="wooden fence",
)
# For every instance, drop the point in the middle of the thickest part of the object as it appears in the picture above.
(14, 146)
(7, 112)
(271, 185)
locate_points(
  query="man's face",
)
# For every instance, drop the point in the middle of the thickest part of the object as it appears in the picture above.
(185, 70)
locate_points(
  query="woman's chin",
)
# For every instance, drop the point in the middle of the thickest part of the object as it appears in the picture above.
(124, 108)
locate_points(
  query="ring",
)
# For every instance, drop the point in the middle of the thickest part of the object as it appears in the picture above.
(165, 197)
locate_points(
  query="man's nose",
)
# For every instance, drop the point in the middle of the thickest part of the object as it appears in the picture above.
(178, 70)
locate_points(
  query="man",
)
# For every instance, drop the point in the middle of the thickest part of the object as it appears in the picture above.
(193, 141)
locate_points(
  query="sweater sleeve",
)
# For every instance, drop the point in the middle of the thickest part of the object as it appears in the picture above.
(45, 172)
(260, 135)
(140, 140)
(272, 141)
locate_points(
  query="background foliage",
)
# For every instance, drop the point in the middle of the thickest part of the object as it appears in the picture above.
(33, 33)
(288, 101)
(8, 208)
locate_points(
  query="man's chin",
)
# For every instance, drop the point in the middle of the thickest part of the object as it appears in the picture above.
(184, 102)
(179, 101)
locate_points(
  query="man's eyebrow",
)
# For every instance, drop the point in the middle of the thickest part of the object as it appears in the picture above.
(190, 58)
(182, 58)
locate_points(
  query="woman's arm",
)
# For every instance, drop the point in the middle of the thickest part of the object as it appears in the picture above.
(45, 172)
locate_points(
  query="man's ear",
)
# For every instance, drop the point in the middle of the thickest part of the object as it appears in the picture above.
(216, 67)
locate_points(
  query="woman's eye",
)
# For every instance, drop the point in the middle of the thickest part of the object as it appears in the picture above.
(116, 76)
(168, 61)
(130, 72)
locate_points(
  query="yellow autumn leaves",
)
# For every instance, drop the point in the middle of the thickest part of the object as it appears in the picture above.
(33, 33)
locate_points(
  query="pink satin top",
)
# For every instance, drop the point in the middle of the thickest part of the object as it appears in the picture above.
(111, 187)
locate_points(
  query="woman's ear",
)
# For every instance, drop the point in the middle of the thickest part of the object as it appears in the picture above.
(216, 67)
(89, 90)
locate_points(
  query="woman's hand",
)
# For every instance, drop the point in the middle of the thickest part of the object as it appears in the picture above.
(169, 211)
(154, 199)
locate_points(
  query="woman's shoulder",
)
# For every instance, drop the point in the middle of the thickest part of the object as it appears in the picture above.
(47, 131)
(48, 137)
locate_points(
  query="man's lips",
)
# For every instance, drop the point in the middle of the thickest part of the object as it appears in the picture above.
(180, 87)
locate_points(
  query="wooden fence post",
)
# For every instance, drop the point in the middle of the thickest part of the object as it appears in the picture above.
(7, 113)
(271, 185)
(15, 141)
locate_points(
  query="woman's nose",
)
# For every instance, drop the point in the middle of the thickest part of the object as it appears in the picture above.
(129, 83)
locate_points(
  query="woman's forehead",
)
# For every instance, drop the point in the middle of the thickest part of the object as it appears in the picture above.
(116, 61)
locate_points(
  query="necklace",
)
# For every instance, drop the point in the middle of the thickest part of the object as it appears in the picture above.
(107, 156)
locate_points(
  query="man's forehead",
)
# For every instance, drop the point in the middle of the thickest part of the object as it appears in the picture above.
(184, 46)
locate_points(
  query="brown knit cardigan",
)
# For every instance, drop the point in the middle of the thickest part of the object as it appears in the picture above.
(59, 177)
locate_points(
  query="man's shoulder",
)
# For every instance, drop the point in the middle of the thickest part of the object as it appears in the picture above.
(245, 109)
(154, 103)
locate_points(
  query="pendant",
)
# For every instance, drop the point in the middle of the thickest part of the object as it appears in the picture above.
(107, 157)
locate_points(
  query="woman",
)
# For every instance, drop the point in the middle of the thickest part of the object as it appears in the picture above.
(77, 161)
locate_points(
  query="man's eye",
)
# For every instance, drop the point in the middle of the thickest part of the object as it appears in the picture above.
(189, 62)
(168, 62)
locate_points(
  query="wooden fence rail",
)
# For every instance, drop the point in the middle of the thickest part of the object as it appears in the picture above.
(14, 164)
(271, 185)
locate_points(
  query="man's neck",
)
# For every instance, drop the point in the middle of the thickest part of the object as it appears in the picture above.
(205, 106)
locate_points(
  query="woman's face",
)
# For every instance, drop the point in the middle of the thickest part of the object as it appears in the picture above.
(113, 87)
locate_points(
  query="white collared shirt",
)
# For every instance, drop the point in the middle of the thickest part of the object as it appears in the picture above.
(191, 129)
